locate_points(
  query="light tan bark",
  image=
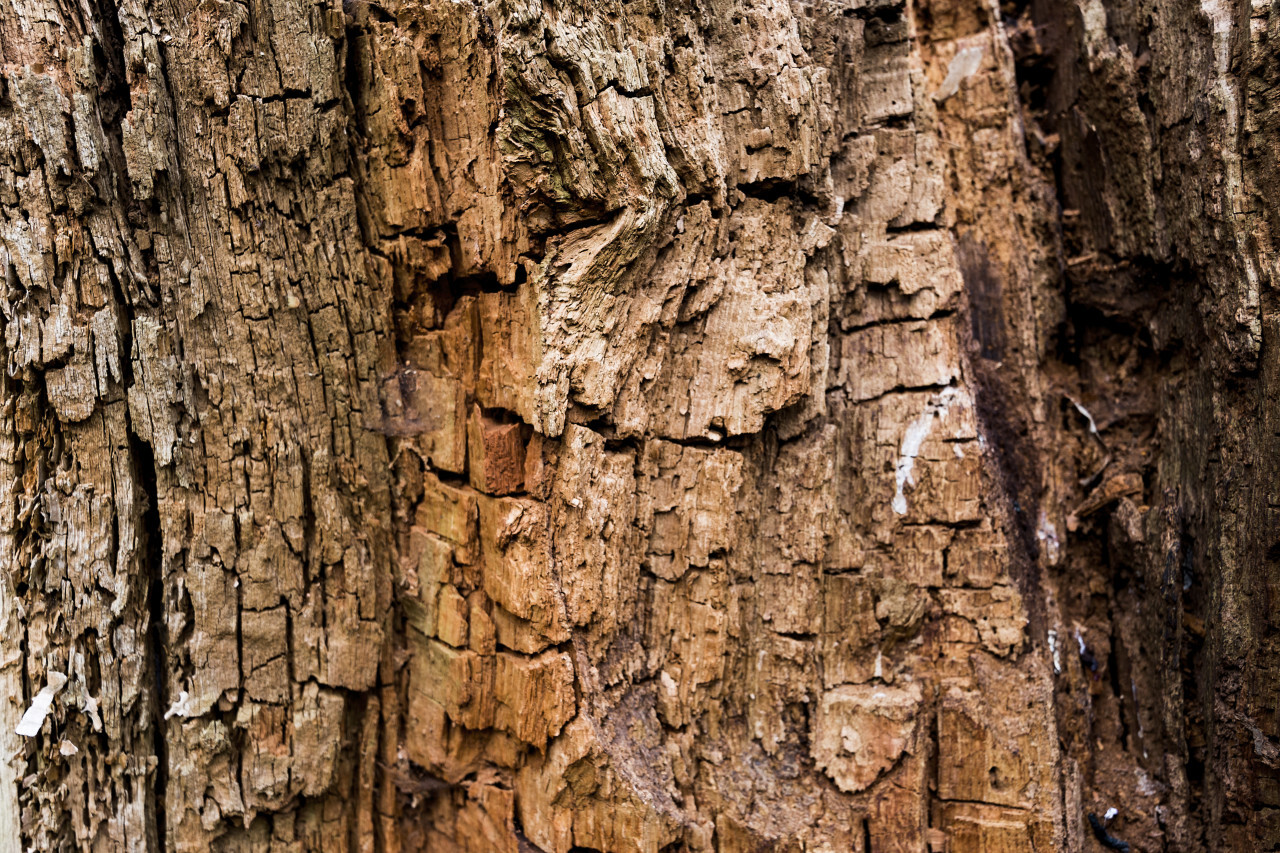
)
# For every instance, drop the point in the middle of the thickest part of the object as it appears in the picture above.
(638, 426)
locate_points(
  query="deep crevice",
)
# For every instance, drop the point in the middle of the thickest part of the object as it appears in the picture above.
(152, 555)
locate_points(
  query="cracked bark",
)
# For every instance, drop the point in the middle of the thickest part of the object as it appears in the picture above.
(637, 427)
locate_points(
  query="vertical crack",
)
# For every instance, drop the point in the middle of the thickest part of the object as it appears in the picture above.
(152, 558)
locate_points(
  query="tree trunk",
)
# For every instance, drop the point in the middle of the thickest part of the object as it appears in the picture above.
(835, 425)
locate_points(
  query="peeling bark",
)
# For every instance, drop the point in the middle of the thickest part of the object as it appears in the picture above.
(639, 427)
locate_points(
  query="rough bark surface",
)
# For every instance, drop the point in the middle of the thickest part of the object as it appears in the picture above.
(707, 425)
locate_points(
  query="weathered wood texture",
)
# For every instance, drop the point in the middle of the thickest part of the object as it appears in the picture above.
(846, 425)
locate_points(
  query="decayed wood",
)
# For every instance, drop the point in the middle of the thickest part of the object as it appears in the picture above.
(834, 425)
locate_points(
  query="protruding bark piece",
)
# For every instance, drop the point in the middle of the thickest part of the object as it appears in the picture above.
(497, 454)
(863, 730)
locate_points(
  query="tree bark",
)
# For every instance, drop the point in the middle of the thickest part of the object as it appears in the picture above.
(639, 426)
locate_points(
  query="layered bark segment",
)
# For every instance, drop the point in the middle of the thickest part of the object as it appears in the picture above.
(755, 517)
(195, 319)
